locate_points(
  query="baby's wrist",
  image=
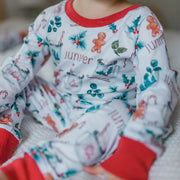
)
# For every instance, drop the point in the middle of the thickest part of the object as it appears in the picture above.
(3, 176)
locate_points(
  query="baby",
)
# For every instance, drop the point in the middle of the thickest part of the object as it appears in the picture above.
(111, 99)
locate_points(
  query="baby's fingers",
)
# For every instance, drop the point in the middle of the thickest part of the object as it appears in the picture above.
(99, 170)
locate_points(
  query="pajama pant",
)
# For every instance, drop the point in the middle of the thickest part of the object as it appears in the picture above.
(82, 138)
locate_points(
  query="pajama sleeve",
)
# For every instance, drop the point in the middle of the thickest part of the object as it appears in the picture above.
(157, 94)
(15, 73)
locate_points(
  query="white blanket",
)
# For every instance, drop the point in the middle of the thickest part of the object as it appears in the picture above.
(167, 167)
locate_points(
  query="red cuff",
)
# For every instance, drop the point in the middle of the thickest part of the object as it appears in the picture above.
(22, 169)
(131, 161)
(8, 143)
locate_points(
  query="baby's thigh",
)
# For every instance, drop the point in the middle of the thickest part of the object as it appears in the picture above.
(95, 135)
(46, 105)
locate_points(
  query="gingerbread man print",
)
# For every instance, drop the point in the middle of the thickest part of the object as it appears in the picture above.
(143, 105)
(6, 119)
(99, 42)
(153, 25)
(51, 122)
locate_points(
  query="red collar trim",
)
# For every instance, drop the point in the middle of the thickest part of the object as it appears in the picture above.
(85, 22)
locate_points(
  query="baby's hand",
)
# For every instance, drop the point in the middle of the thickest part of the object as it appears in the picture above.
(99, 170)
(2, 176)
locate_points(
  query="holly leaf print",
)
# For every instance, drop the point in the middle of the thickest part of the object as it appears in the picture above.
(131, 29)
(110, 70)
(132, 80)
(56, 55)
(82, 35)
(113, 89)
(125, 79)
(32, 55)
(35, 54)
(101, 73)
(136, 22)
(82, 44)
(79, 40)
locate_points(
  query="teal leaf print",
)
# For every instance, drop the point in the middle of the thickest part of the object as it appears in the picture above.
(103, 69)
(123, 96)
(134, 27)
(82, 99)
(148, 69)
(55, 29)
(154, 134)
(32, 55)
(142, 87)
(26, 40)
(131, 29)
(136, 22)
(153, 80)
(89, 92)
(35, 154)
(132, 80)
(54, 24)
(175, 75)
(15, 107)
(151, 76)
(146, 76)
(113, 28)
(56, 55)
(82, 44)
(69, 173)
(49, 28)
(100, 95)
(94, 91)
(157, 69)
(57, 112)
(93, 108)
(154, 63)
(110, 70)
(18, 134)
(41, 42)
(113, 89)
(82, 35)
(128, 82)
(101, 73)
(125, 79)
(58, 21)
(140, 45)
(97, 91)
(63, 121)
(93, 86)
